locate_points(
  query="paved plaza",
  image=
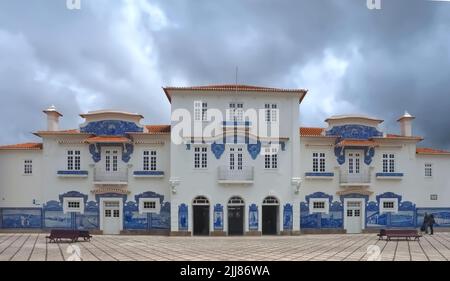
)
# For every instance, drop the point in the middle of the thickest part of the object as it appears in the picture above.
(330, 247)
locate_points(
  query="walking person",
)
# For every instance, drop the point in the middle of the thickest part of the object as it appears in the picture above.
(431, 222)
(424, 227)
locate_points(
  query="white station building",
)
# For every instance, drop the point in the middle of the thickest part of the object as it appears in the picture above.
(115, 175)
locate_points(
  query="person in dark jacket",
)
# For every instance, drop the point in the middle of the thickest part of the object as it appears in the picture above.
(431, 222)
(424, 227)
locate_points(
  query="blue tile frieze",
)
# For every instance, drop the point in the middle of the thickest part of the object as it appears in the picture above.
(353, 131)
(111, 128)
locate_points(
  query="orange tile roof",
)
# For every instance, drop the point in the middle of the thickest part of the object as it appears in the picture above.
(158, 129)
(348, 142)
(23, 146)
(233, 87)
(106, 139)
(311, 132)
(393, 136)
(60, 132)
(431, 151)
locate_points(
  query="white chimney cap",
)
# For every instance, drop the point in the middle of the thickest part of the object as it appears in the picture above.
(52, 109)
(406, 115)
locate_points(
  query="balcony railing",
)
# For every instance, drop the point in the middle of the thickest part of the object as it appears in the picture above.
(102, 176)
(236, 175)
(361, 178)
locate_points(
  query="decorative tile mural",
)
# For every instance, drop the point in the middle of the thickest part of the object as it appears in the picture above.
(288, 217)
(441, 216)
(218, 217)
(21, 218)
(183, 217)
(132, 218)
(253, 217)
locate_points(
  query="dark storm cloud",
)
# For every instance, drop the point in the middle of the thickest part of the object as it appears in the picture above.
(118, 55)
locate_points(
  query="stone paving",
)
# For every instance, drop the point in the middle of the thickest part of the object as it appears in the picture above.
(329, 247)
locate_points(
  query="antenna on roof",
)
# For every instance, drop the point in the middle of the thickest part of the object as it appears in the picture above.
(237, 72)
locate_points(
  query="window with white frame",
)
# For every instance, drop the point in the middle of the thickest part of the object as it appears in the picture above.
(149, 205)
(428, 170)
(271, 158)
(236, 112)
(433, 197)
(149, 160)
(73, 205)
(271, 112)
(318, 162)
(200, 111)
(388, 163)
(28, 167)
(73, 160)
(200, 157)
(388, 205)
(319, 205)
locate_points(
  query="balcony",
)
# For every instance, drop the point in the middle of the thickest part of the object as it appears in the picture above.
(354, 179)
(103, 177)
(236, 176)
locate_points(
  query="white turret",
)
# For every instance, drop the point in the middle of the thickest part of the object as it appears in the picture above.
(406, 124)
(52, 118)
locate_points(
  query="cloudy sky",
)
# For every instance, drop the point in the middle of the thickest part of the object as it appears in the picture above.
(118, 54)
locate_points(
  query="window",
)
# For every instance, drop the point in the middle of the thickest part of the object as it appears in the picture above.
(271, 112)
(318, 162)
(236, 158)
(73, 160)
(388, 205)
(149, 205)
(271, 158)
(236, 112)
(433, 197)
(111, 160)
(200, 111)
(319, 205)
(428, 170)
(388, 163)
(149, 160)
(74, 205)
(200, 157)
(28, 167)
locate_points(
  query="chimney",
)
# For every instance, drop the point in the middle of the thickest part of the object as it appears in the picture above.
(52, 118)
(406, 124)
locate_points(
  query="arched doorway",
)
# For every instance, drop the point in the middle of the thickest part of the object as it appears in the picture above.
(270, 210)
(201, 215)
(236, 207)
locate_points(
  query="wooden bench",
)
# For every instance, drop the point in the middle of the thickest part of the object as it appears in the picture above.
(57, 235)
(85, 235)
(399, 233)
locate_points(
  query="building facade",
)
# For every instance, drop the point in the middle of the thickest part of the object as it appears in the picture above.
(233, 161)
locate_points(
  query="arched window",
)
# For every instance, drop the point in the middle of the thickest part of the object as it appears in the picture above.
(236, 201)
(201, 200)
(270, 200)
